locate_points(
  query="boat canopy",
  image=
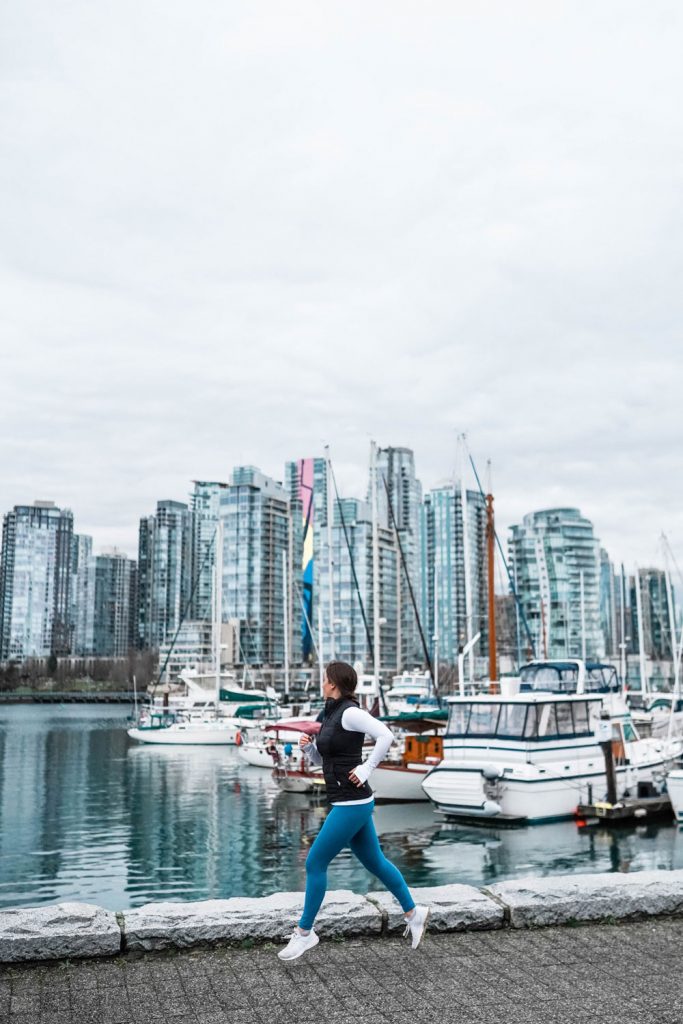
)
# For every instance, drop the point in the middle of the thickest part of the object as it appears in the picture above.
(565, 676)
(528, 721)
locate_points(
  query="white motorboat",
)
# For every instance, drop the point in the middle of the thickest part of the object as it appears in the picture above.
(674, 786)
(410, 692)
(535, 756)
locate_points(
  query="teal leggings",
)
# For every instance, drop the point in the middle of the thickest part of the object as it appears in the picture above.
(348, 825)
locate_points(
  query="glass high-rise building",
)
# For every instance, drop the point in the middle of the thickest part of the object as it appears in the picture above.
(555, 560)
(352, 550)
(164, 572)
(257, 522)
(35, 582)
(655, 611)
(82, 594)
(442, 565)
(113, 575)
(205, 503)
(400, 492)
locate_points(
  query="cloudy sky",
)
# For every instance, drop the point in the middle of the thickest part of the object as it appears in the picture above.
(232, 232)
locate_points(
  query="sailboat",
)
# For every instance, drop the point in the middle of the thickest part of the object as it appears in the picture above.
(210, 724)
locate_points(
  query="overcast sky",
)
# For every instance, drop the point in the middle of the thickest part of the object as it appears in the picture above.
(232, 232)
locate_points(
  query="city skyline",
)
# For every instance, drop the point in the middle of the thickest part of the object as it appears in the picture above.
(125, 537)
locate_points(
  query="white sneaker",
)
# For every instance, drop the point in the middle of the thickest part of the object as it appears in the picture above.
(298, 944)
(416, 926)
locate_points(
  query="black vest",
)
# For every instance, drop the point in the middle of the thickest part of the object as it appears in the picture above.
(341, 751)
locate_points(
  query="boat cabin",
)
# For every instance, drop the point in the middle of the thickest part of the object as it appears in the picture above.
(524, 718)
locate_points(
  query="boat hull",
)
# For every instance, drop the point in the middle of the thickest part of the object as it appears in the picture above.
(674, 785)
(398, 783)
(186, 735)
(533, 793)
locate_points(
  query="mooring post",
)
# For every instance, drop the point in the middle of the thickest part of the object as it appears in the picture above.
(605, 739)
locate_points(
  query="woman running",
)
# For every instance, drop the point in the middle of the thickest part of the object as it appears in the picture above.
(338, 747)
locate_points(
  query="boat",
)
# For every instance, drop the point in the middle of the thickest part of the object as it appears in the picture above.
(674, 786)
(534, 756)
(401, 780)
(217, 712)
(410, 692)
(294, 779)
(183, 729)
(253, 739)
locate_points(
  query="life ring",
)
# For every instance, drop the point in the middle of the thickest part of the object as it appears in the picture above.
(238, 739)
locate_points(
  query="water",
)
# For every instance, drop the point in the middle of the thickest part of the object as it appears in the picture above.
(87, 814)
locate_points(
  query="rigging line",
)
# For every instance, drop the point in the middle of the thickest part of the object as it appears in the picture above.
(507, 568)
(187, 608)
(353, 564)
(295, 585)
(368, 635)
(410, 589)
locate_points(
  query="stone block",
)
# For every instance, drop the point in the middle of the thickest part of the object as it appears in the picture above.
(454, 908)
(58, 932)
(546, 901)
(160, 925)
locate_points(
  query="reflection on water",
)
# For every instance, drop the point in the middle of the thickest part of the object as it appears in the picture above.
(86, 814)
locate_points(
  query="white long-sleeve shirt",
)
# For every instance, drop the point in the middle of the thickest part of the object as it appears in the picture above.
(357, 720)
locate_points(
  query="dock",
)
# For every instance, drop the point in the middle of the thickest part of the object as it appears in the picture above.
(624, 812)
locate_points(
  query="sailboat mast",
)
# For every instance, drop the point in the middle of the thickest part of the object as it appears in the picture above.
(285, 609)
(583, 617)
(436, 632)
(466, 560)
(375, 568)
(330, 556)
(218, 606)
(622, 617)
(641, 638)
(490, 559)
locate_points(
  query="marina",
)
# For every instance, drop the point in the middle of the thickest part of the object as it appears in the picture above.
(87, 814)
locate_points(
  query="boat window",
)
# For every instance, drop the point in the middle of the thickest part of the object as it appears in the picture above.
(457, 721)
(482, 719)
(581, 717)
(630, 733)
(531, 723)
(562, 719)
(511, 720)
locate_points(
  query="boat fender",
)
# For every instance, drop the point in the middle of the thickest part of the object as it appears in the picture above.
(491, 808)
(491, 773)
(238, 739)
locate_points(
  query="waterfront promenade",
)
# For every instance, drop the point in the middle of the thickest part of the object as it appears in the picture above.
(614, 974)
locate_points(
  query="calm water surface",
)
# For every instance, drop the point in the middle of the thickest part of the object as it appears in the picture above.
(87, 814)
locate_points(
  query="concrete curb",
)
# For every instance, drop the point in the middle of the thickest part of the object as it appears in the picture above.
(70, 930)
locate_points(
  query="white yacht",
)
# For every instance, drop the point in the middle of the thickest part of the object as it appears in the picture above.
(534, 755)
(674, 785)
(410, 692)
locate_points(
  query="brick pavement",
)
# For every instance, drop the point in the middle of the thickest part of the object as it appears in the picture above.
(612, 974)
